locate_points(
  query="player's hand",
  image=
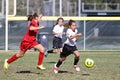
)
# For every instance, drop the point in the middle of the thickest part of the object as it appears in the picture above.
(79, 34)
(64, 33)
(40, 15)
(41, 27)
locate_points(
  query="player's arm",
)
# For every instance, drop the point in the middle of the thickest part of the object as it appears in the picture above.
(35, 28)
(55, 31)
(58, 33)
(40, 15)
(75, 36)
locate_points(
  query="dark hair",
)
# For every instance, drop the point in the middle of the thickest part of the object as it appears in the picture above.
(59, 19)
(35, 15)
(30, 17)
(69, 23)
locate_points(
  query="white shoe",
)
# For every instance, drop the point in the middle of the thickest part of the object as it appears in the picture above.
(76, 67)
(6, 65)
(55, 69)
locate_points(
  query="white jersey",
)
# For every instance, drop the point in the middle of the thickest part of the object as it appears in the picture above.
(70, 42)
(58, 29)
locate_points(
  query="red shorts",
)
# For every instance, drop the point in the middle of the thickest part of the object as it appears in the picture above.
(25, 45)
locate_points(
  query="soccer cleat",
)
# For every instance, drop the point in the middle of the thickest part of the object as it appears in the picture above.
(6, 65)
(55, 69)
(76, 67)
(41, 67)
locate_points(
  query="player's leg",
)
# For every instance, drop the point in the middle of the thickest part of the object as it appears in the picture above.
(60, 61)
(60, 45)
(55, 51)
(76, 60)
(50, 51)
(63, 55)
(55, 45)
(12, 59)
(23, 49)
(60, 49)
(41, 50)
(57, 65)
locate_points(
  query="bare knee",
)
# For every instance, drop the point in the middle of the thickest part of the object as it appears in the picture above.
(19, 55)
(42, 49)
(77, 57)
(55, 51)
(63, 59)
(77, 54)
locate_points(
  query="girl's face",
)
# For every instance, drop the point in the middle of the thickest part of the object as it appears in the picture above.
(73, 26)
(39, 18)
(60, 22)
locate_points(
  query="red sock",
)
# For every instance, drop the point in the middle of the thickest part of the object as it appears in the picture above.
(40, 58)
(13, 58)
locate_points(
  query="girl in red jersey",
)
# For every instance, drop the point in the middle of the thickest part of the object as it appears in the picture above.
(29, 41)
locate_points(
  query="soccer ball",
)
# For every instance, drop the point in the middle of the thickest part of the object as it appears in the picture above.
(89, 63)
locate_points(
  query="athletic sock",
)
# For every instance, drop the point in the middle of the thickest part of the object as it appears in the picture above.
(50, 51)
(13, 58)
(76, 59)
(58, 63)
(40, 58)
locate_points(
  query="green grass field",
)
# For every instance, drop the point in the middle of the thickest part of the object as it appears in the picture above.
(107, 67)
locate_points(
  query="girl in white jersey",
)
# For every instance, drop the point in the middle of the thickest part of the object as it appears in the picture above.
(58, 32)
(69, 46)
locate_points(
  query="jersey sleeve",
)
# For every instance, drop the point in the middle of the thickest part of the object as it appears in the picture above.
(55, 29)
(68, 33)
(32, 23)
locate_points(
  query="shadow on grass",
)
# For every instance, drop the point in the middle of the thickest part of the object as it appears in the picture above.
(65, 72)
(26, 72)
(52, 62)
(86, 74)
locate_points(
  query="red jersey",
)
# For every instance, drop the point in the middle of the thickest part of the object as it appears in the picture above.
(30, 36)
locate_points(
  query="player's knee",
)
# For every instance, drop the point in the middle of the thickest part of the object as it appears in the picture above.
(41, 49)
(55, 51)
(63, 59)
(77, 57)
(20, 55)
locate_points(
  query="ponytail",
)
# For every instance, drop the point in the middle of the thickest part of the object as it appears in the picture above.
(69, 23)
(66, 25)
(30, 17)
(35, 15)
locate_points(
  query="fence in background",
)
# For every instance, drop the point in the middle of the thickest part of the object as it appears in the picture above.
(99, 33)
